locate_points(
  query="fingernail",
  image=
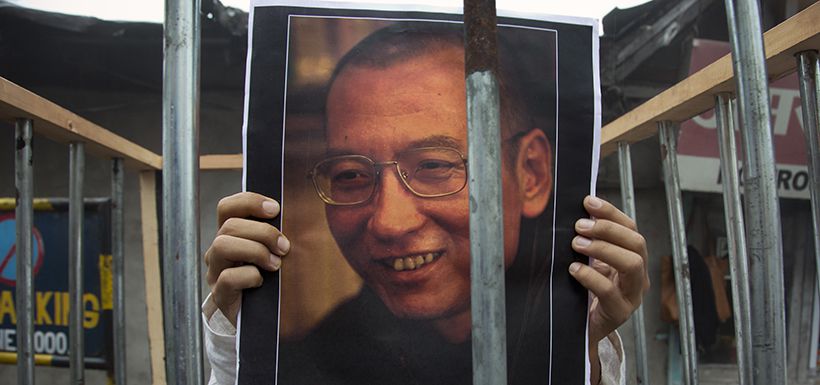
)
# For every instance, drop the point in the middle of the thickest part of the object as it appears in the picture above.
(582, 241)
(270, 207)
(275, 262)
(595, 202)
(585, 224)
(573, 267)
(283, 244)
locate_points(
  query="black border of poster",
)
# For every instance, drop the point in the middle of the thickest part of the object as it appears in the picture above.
(266, 89)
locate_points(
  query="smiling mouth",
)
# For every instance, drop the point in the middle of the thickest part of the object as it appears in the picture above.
(412, 262)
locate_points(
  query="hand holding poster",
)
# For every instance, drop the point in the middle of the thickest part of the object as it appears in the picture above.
(356, 123)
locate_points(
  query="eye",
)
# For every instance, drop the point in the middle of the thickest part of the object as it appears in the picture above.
(434, 169)
(350, 174)
(434, 165)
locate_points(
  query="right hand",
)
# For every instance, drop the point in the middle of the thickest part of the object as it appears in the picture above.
(241, 247)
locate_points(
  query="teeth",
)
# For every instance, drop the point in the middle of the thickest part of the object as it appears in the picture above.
(413, 262)
(398, 264)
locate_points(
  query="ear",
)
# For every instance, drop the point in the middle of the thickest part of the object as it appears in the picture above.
(534, 172)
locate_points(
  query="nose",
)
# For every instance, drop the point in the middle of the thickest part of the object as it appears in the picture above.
(396, 209)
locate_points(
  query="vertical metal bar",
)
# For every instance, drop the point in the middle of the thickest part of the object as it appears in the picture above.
(764, 238)
(118, 260)
(180, 195)
(808, 69)
(24, 216)
(738, 259)
(638, 323)
(75, 262)
(489, 339)
(683, 287)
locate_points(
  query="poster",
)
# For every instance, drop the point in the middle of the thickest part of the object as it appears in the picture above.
(356, 123)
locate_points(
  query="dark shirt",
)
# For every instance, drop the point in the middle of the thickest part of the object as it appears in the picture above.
(361, 342)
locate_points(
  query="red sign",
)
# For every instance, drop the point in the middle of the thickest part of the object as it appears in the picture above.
(698, 154)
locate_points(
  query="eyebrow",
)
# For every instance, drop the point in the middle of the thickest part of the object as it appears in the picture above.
(430, 141)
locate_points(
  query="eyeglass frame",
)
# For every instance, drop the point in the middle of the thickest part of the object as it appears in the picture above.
(378, 167)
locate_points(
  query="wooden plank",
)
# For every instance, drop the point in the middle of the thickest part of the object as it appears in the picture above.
(220, 162)
(64, 126)
(695, 94)
(153, 283)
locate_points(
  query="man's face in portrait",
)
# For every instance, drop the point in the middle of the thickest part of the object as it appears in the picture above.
(414, 251)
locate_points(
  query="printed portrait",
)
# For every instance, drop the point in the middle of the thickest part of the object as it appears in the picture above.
(357, 122)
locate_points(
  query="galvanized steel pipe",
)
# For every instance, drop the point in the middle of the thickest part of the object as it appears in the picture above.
(76, 209)
(677, 227)
(180, 193)
(118, 268)
(762, 215)
(738, 259)
(24, 220)
(638, 323)
(489, 342)
(808, 70)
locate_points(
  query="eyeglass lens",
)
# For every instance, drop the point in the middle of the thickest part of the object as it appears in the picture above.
(427, 172)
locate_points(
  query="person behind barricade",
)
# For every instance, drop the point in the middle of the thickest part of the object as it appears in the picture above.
(394, 182)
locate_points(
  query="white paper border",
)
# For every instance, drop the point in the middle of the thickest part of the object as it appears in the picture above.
(593, 23)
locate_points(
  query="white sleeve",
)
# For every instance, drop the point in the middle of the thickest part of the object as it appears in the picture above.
(613, 364)
(220, 344)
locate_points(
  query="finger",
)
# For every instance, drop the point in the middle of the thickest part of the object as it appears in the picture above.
(246, 204)
(227, 290)
(602, 209)
(617, 234)
(603, 268)
(228, 251)
(610, 300)
(630, 265)
(612, 232)
(257, 231)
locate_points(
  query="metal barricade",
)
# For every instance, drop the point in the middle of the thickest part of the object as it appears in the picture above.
(759, 295)
(668, 133)
(118, 260)
(180, 193)
(24, 214)
(628, 204)
(738, 259)
(808, 69)
(762, 217)
(758, 305)
(486, 219)
(63, 126)
(75, 261)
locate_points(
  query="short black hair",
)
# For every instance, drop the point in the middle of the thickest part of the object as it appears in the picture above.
(406, 40)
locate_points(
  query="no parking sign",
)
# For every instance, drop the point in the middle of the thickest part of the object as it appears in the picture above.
(8, 248)
(50, 264)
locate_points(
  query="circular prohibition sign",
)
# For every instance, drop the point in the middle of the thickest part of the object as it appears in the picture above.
(8, 249)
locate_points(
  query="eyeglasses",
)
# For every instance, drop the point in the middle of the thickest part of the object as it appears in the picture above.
(428, 172)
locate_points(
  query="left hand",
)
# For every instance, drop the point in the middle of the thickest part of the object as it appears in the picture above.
(617, 277)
